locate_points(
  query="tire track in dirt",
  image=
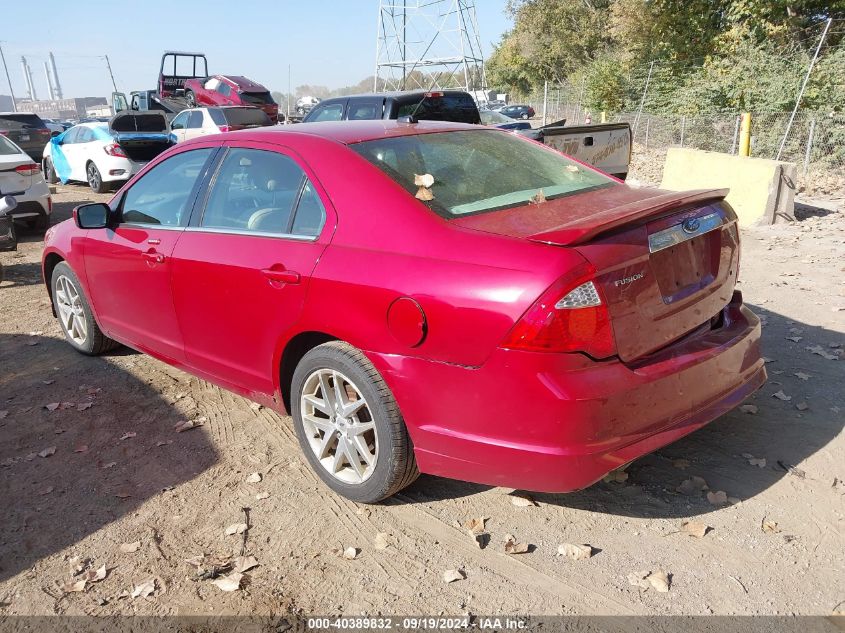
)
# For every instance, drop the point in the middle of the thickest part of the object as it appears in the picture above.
(511, 569)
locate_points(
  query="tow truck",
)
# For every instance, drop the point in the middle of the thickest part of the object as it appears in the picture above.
(169, 95)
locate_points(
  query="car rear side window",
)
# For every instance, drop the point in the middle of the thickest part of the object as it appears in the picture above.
(459, 108)
(20, 121)
(162, 196)
(224, 89)
(7, 148)
(195, 120)
(257, 98)
(332, 112)
(258, 191)
(364, 111)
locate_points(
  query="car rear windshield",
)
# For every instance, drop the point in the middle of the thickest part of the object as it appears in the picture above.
(257, 98)
(477, 171)
(459, 108)
(241, 117)
(7, 148)
(20, 121)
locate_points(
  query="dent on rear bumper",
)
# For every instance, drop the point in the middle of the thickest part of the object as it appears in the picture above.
(559, 422)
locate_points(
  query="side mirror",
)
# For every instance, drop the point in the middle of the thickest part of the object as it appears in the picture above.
(92, 216)
(7, 203)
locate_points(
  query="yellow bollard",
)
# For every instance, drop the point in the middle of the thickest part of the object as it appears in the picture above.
(745, 135)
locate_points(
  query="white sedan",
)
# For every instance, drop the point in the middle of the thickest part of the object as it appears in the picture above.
(106, 154)
(21, 178)
(196, 122)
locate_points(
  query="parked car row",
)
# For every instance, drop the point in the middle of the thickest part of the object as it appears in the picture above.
(21, 178)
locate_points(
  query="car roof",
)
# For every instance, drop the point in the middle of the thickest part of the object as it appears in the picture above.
(348, 132)
(393, 94)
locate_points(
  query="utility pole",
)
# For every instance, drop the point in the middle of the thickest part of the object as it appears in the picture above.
(642, 101)
(108, 65)
(8, 79)
(803, 87)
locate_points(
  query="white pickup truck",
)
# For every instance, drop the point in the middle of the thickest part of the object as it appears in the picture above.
(606, 146)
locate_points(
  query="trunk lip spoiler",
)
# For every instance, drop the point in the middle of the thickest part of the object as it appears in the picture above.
(586, 228)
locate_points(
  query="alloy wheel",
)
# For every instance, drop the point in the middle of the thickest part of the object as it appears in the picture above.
(339, 426)
(93, 177)
(71, 312)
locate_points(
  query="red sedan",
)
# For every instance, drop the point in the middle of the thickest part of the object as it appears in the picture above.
(421, 297)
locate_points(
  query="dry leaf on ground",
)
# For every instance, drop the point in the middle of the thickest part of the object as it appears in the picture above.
(512, 547)
(780, 395)
(262, 495)
(109, 465)
(692, 486)
(717, 498)
(236, 528)
(659, 580)
(475, 526)
(47, 452)
(127, 435)
(769, 527)
(802, 375)
(802, 406)
(96, 575)
(74, 586)
(680, 463)
(616, 476)
(521, 501)
(52, 406)
(82, 406)
(196, 561)
(187, 425)
(748, 408)
(382, 540)
(232, 582)
(253, 478)
(575, 552)
(452, 575)
(145, 589)
(350, 553)
(244, 563)
(129, 548)
(695, 528)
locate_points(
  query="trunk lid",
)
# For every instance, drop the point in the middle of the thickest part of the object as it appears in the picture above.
(142, 135)
(666, 263)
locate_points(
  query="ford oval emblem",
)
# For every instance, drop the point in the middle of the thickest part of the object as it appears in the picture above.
(691, 225)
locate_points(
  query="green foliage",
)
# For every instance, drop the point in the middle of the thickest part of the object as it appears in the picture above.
(709, 55)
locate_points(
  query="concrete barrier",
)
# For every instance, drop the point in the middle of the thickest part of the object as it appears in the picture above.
(761, 191)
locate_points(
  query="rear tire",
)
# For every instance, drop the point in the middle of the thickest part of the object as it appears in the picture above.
(95, 179)
(375, 426)
(75, 316)
(191, 99)
(525, 116)
(50, 172)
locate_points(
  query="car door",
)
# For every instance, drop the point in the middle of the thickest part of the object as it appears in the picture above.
(128, 265)
(178, 124)
(194, 127)
(242, 269)
(63, 154)
(83, 151)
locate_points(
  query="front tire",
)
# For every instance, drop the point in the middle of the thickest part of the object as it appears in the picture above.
(95, 180)
(349, 425)
(525, 116)
(75, 317)
(191, 99)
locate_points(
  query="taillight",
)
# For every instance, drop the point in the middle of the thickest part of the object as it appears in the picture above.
(28, 170)
(113, 149)
(571, 316)
(224, 128)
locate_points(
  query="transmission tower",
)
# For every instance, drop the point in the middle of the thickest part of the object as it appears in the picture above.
(426, 44)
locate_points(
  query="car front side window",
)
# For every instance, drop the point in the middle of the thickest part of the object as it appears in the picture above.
(178, 123)
(332, 112)
(255, 190)
(163, 196)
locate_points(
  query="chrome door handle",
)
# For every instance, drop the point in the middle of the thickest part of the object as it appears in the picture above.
(154, 240)
(282, 276)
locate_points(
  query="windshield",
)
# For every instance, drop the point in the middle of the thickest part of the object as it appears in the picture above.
(491, 117)
(478, 171)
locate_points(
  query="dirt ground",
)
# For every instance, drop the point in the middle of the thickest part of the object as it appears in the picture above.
(79, 481)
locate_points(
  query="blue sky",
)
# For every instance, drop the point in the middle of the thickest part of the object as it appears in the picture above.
(326, 42)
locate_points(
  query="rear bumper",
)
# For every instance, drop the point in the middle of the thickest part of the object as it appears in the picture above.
(560, 422)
